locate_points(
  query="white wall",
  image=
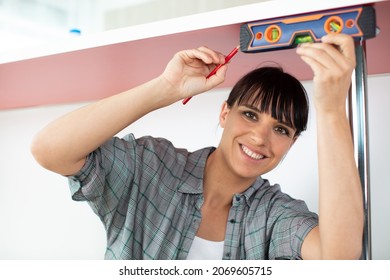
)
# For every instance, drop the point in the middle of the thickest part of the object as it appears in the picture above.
(38, 219)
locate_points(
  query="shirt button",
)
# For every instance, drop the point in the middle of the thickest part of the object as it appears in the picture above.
(228, 255)
(238, 198)
(232, 221)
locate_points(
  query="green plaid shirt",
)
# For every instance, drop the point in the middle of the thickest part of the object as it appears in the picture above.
(148, 195)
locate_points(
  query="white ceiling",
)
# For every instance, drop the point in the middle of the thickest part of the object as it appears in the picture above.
(26, 23)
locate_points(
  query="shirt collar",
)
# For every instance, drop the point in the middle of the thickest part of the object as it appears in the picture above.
(193, 172)
(250, 192)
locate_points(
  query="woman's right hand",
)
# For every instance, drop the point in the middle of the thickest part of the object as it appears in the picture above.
(187, 71)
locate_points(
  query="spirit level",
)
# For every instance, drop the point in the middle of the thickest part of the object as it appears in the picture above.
(288, 32)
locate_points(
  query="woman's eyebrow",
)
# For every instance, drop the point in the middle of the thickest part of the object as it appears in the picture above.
(252, 107)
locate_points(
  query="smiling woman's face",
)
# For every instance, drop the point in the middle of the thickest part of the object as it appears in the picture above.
(252, 142)
(264, 114)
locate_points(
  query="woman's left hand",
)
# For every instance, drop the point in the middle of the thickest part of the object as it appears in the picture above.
(332, 61)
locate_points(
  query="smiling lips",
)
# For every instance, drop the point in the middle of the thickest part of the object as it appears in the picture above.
(251, 153)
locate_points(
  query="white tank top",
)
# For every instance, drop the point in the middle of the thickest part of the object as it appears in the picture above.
(202, 249)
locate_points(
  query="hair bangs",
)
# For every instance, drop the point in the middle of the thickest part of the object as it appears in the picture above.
(279, 106)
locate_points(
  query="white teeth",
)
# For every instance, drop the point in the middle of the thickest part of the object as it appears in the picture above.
(251, 154)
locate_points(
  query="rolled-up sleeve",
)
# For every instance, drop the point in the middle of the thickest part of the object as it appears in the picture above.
(288, 224)
(105, 177)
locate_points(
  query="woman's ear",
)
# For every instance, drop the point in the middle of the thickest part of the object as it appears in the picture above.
(295, 138)
(224, 114)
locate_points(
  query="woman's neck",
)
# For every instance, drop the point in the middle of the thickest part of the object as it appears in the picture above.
(220, 182)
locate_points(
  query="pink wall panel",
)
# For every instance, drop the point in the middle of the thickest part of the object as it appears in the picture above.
(95, 73)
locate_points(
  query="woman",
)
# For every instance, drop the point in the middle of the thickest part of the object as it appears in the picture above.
(159, 202)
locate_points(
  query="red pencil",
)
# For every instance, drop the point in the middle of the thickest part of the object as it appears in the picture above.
(227, 59)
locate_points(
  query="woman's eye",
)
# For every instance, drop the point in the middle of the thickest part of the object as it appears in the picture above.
(250, 115)
(282, 130)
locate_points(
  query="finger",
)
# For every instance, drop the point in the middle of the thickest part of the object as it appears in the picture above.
(344, 43)
(217, 78)
(205, 55)
(317, 48)
(217, 57)
(320, 53)
(328, 55)
(313, 64)
(339, 46)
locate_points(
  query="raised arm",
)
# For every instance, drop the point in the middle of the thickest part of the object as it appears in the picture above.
(63, 145)
(341, 217)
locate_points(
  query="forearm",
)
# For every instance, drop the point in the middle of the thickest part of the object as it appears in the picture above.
(341, 216)
(63, 145)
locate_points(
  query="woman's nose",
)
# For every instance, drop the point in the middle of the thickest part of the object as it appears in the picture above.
(261, 135)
